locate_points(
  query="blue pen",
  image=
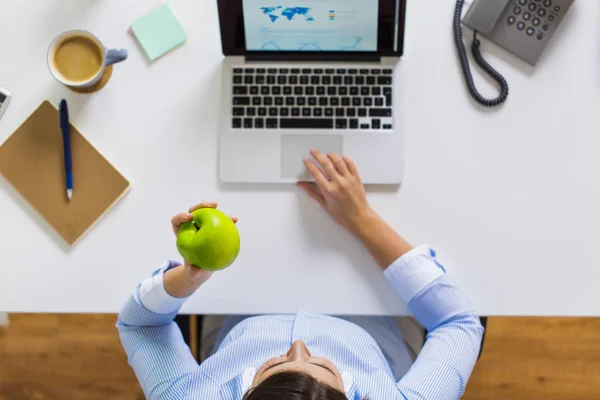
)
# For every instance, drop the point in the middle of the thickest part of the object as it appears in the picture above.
(65, 127)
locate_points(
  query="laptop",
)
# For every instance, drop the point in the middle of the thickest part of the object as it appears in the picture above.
(320, 74)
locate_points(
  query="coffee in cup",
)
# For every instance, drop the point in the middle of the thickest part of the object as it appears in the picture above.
(78, 58)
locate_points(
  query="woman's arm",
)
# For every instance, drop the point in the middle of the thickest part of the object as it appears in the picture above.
(154, 344)
(448, 357)
(445, 363)
(384, 244)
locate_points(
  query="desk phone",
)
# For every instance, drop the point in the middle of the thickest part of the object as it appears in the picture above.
(523, 27)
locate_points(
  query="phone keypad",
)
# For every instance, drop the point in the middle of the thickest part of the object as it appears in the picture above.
(534, 17)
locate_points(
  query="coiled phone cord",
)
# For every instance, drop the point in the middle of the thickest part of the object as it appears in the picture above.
(464, 61)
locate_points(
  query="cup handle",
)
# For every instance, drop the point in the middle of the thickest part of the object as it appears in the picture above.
(114, 56)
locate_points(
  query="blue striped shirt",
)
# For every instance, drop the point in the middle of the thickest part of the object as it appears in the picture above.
(166, 369)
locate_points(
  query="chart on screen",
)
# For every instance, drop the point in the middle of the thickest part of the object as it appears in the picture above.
(326, 25)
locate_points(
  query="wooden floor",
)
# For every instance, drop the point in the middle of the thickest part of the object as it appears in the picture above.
(79, 357)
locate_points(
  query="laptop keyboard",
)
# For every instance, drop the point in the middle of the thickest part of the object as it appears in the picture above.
(312, 98)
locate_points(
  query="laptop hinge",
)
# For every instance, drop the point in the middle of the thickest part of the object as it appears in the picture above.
(324, 57)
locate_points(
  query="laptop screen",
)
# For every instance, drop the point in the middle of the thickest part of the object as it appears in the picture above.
(336, 27)
(331, 25)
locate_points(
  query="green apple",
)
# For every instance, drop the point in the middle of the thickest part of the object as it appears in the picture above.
(210, 241)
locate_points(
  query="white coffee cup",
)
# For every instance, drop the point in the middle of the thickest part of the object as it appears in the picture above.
(78, 59)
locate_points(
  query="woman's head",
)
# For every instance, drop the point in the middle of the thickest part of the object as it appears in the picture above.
(297, 373)
(292, 385)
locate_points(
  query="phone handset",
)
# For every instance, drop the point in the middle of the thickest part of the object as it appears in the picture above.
(482, 16)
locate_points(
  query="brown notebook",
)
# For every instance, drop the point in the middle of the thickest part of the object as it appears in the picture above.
(32, 161)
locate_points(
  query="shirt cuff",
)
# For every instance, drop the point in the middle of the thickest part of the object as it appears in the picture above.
(153, 294)
(412, 272)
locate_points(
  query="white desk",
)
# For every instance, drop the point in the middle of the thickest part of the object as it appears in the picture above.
(509, 198)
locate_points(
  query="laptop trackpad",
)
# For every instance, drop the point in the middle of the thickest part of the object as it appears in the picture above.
(295, 147)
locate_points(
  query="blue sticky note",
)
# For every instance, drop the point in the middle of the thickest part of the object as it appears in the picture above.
(159, 31)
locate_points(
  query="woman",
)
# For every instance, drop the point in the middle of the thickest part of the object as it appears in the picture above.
(308, 356)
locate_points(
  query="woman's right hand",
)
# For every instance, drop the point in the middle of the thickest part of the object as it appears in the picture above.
(338, 189)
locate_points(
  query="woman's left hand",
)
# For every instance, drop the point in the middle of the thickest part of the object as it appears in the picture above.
(195, 274)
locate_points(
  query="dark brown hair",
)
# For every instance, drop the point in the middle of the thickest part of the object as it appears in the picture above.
(293, 386)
